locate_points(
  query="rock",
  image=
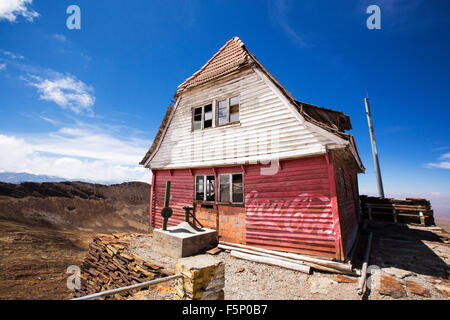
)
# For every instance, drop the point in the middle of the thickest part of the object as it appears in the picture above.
(389, 286)
(213, 251)
(445, 290)
(442, 281)
(399, 273)
(417, 289)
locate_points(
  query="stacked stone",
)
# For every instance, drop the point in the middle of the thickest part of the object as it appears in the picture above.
(109, 265)
(200, 281)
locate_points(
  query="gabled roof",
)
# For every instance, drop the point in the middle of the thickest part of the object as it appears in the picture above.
(233, 56)
(228, 59)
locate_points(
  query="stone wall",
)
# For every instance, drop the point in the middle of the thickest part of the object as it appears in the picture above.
(203, 279)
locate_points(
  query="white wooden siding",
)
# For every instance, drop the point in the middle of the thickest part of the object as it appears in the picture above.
(261, 113)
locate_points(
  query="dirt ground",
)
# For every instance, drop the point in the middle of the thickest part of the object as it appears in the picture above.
(34, 260)
(412, 262)
(408, 262)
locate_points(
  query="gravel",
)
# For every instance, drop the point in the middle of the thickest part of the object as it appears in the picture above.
(247, 280)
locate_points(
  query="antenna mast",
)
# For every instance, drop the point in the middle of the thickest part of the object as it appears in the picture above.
(374, 150)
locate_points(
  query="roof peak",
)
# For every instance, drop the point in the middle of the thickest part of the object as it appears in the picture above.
(230, 57)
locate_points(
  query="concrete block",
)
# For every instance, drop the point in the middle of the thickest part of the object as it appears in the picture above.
(183, 240)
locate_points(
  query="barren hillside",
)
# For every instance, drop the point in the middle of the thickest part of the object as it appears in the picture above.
(45, 227)
(77, 205)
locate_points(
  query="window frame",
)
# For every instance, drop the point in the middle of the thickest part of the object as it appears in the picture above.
(230, 179)
(215, 112)
(227, 99)
(205, 176)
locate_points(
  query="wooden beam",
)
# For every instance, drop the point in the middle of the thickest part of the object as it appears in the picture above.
(272, 261)
(295, 256)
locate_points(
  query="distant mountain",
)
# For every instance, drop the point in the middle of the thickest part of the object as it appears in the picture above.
(19, 177)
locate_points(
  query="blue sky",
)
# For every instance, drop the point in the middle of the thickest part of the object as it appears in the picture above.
(87, 103)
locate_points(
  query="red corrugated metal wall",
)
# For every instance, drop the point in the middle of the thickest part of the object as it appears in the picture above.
(181, 194)
(292, 210)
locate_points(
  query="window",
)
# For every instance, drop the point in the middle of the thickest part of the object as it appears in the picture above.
(228, 111)
(208, 121)
(202, 117)
(238, 188)
(222, 112)
(205, 188)
(224, 188)
(234, 109)
(231, 188)
(197, 119)
(199, 188)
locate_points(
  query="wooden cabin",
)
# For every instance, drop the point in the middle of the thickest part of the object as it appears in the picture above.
(260, 167)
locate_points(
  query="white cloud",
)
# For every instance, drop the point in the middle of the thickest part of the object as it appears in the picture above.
(73, 153)
(443, 164)
(11, 9)
(2, 66)
(60, 37)
(49, 120)
(66, 91)
(11, 55)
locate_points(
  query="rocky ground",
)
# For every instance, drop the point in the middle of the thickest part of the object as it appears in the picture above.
(46, 227)
(409, 262)
(246, 280)
(34, 260)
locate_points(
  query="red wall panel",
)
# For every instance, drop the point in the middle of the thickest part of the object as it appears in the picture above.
(181, 194)
(297, 209)
(291, 210)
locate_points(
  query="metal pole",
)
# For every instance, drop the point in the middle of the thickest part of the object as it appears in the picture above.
(374, 150)
(133, 286)
(166, 204)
